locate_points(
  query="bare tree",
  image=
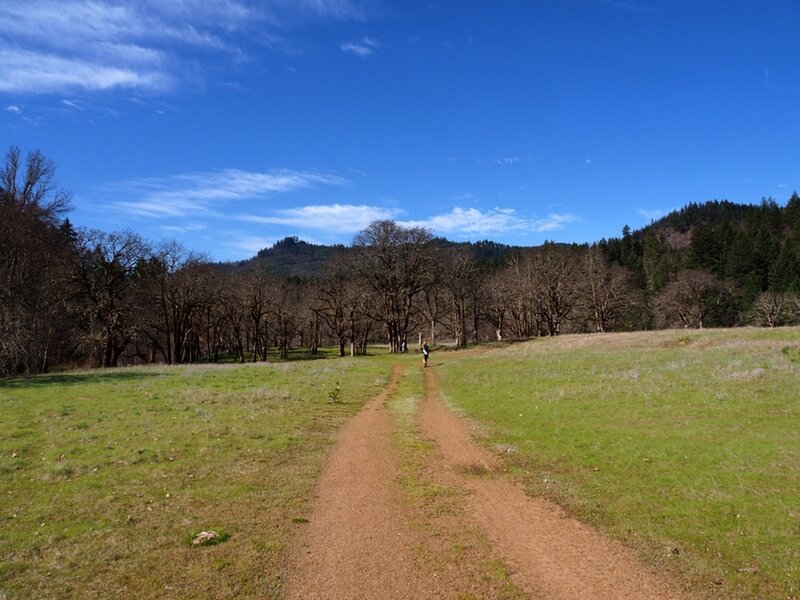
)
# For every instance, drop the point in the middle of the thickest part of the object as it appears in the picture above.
(284, 316)
(554, 285)
(32, 190)
(688, 298)
(195, 290)
(523, 312)
(395, 266)
(459, 280)
(606, 292)
(335, 298)
(257, 298)
(232, 310)
(498, 298)
(36, 247)
(179, 290)
(794, 307)
(430, 308)
(104, 280)
(772, 308)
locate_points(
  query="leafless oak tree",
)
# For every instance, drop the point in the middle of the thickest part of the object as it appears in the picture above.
(394, 263)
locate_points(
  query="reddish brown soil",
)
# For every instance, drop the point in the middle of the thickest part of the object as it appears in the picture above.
(549, 554)
(360, 541)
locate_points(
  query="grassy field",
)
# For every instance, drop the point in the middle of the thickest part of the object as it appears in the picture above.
(107, 474)
(685, 445)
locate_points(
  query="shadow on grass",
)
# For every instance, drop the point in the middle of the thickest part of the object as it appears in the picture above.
(295, 355)
(75, 378)
(123, 374)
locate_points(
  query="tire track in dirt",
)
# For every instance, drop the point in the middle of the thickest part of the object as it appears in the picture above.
(357, 543)
(550, 555)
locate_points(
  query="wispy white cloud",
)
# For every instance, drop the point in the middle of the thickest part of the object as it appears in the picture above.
(13, 108)
(363, 48)
(459, 222)
(52, 46)
(196, 193)
(23, 71)
(333, 218)
(505, 160)
(552, 222)
(184, 228)
(75, 105)
(471, 221)
(291, 11)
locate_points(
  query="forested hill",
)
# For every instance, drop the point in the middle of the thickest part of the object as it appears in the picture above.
(296, 259)
(754, 247)
(292, 258)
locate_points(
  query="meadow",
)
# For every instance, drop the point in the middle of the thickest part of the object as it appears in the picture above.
(683, 444)
(107, 475)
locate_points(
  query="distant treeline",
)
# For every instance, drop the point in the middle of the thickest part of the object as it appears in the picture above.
(72, 297)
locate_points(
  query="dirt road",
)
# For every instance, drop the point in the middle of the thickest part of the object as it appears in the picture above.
(363, 541)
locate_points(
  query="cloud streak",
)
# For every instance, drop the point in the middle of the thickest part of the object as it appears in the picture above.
(24, 71)
(339, 220)
(472, 222)
(552, 222)
(332, 218)
(194, 202)
(195, 193)
(51, 46)
(363, 48)
(462, 223)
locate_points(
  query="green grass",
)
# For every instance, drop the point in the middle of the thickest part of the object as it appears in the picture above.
(105, 474)
(684, 445)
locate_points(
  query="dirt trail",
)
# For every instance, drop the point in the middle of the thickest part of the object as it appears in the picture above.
(550, 555)
(357, 543)
(360, 542)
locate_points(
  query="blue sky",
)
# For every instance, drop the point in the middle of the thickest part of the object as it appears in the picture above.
(230, 124)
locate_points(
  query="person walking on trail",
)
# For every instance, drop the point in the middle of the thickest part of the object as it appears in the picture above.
(425, 353)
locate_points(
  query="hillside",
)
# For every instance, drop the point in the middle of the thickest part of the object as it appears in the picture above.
(294, 258)
(753, 247)
(291, 258)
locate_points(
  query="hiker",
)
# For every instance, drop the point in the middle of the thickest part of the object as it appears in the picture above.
(425, 352)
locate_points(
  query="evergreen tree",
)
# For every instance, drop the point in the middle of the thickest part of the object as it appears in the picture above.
(784, 276)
